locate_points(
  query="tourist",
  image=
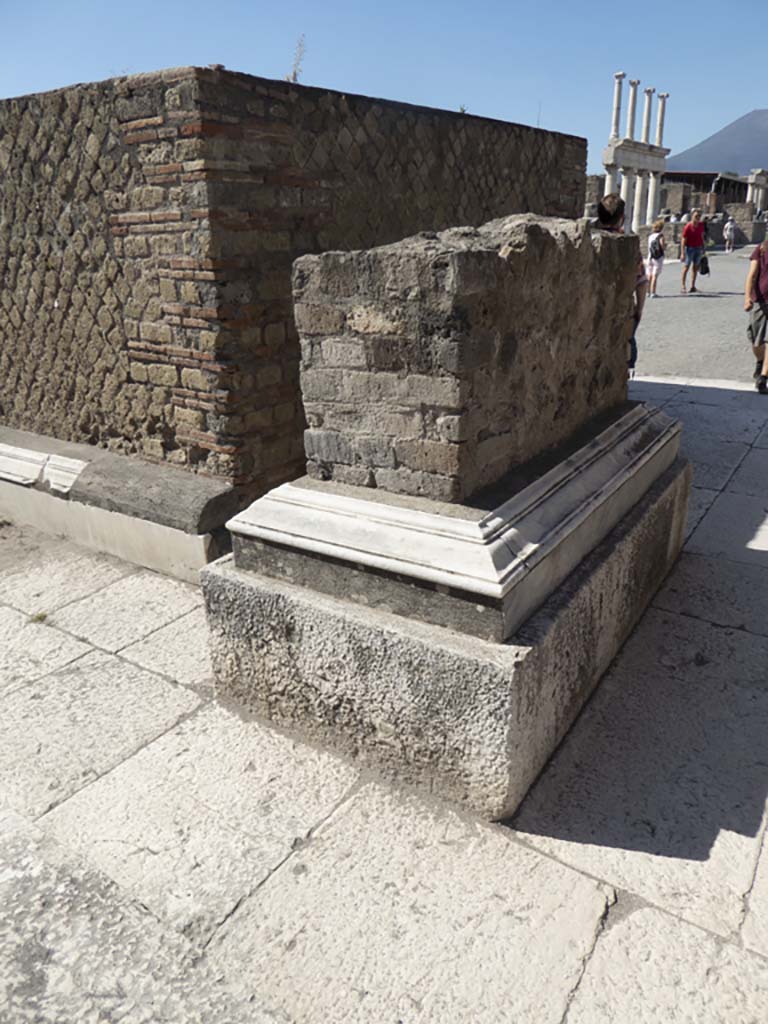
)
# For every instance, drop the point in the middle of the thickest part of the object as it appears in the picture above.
(692, 248)
(685, 217)
(655, 263)
(756, 304)
(729, 234)
(610, 217)
(674, 219)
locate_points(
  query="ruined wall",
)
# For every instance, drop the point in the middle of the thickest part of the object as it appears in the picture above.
(147, 231)
(91, 225)
(433, 366)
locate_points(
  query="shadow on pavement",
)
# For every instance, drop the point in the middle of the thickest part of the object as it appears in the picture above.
(673, 746)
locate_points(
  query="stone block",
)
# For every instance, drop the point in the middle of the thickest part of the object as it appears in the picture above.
(467, 719)
(510, 337)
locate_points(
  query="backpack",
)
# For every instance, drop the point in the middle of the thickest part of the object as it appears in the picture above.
(655, 251)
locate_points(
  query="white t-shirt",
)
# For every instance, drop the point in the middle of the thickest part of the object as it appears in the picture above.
(729, 229)
(651, 238)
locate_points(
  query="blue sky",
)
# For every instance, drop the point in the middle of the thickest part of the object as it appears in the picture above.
(549, 61)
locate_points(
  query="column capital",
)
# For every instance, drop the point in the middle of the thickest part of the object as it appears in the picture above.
(663, 95)
(618, 75)
(634, 82)
(650, 90)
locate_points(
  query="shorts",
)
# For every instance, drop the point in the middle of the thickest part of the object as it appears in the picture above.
(757, 324)
(655, 267)
(693, 255)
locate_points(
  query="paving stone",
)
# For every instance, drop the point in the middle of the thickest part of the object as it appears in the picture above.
(735, 527)
(660, 787)
(40, 574)
(714, 461)
(718, 591)
(650, 968)
(128, 610)
(199, 818)
(76, 951)
(64, 730)
(751, 476)
(739, 424)
(754, 933)
(657, 392)
(31, 649)
(179, 650)
(398, 912)
(699, 503)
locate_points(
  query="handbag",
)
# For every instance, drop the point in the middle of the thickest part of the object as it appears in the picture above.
(704, 266)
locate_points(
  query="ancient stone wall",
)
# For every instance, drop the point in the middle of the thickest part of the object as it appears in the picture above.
(434, 366)
(147, 230)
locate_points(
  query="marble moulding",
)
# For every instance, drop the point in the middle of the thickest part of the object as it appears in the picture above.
(450, 643)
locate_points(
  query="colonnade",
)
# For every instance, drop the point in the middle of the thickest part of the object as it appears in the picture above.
(639, 163)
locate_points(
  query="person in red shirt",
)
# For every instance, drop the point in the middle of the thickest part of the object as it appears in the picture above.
(756, 304)
(693, 247)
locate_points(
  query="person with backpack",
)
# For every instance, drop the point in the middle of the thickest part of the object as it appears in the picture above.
(655, 262)
(756, 304)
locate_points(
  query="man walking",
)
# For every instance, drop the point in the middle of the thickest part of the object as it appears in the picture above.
(692, 248)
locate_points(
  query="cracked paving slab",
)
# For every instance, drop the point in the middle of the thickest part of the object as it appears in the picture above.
(128, 610)
(660, 787)
(196, 820)
(74, 950)
(717, 591)
(31, 649)
(649, 967)
(64, 730)
(179, 650)
(396, 910)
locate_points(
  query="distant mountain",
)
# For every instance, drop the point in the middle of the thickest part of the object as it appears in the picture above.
(740, 146)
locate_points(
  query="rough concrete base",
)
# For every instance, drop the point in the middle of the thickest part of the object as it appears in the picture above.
(469, 719)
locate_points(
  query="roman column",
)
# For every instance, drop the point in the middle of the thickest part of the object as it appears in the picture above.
(663, 97)
(610, 179)
(638, 208)
(633, 84)
(647, 114)
(618, 78)
(627, 194)
(653, 197)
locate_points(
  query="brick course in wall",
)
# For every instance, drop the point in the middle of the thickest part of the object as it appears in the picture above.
(147, 230)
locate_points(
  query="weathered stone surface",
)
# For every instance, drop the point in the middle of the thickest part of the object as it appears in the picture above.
(76, 950)
(650, 967)
(677, 816)
(30, 649)
(473, 720)
(39, 574)
(127, 610)
(200, 818)
(502, 341)
(178, 650)
(410, 913)
(111, 706)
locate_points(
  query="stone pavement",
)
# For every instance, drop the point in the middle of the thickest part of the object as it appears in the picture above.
(164, 860)
(702, 335)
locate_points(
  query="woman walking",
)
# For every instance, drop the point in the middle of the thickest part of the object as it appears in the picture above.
(655, 262)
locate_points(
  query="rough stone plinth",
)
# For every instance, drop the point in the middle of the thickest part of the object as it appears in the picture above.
(474, 721)
(435, 365)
